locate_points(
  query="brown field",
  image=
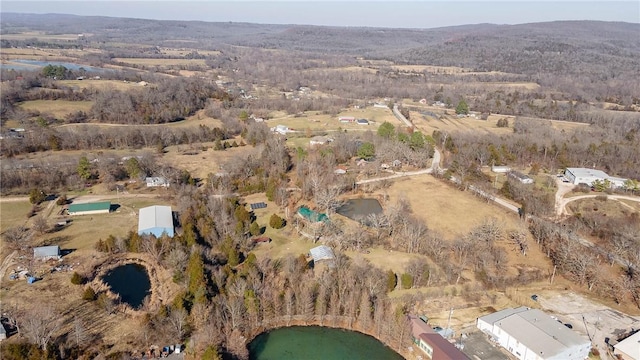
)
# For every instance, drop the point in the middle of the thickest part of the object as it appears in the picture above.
(445, 209)
(13, 213)
(57, 108)
(201, 160)
(316, 121)
(40, 35)
(183, 52)
(161, 62)
(431, 69)
(100, 84)
(451, 123)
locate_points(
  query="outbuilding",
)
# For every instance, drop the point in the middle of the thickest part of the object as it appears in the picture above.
(156, 181)
(45, 253)
(523, 178)
(102, 207)
(155, 220)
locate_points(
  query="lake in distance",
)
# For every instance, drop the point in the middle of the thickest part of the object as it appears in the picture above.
(318, 343)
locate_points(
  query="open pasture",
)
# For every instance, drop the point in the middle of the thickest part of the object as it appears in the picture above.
(57, 108)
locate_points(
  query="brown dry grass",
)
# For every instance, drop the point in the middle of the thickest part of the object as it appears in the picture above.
(445, 209)
(610, 208)
(316, 121)
(161, 62)
(201, 160)
(39, 35)
(100, 84)
(13, 213)
(57, 108)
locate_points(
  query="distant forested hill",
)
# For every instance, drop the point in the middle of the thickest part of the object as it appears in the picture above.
(599, 50)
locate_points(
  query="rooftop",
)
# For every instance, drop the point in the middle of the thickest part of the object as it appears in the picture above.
(155, 216)
(103, 205)
(536, 330)
(46, 251)
(321, 252)
(630, 346)
(585, 172)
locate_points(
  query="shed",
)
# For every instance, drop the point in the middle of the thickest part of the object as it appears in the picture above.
(362, 122)
(322, 252)
(523, 178)
(155, 220)
(46, 253)
(3, 332)
(102, 207)
(500, 169)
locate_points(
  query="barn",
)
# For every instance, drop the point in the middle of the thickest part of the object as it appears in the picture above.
(155, 220)
(102, 207)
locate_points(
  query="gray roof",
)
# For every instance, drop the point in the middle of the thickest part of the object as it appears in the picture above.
(630, 345)
(499, 315)
(538, 331)
(322, 252)
(46, 251)
(585, 172)
(155, 216)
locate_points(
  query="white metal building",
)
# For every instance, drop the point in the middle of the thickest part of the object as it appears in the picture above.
(155, 220)
(530, 334)
(321, 252)
(589, 176)
(629, 348)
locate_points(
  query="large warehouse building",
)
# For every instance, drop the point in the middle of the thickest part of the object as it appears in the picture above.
(102, 207)
(155, 220)
(530, 334)
(589, 176)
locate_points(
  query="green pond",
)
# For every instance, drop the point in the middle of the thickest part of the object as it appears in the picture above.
(318, 343)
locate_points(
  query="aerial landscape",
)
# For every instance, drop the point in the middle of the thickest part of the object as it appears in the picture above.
(186, 188)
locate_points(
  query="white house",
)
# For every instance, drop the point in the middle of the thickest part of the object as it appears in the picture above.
(346, 119)
(500, 169)
(156, 181)
(319, 140)
(523, 178)
(530, 334)
(281, 129)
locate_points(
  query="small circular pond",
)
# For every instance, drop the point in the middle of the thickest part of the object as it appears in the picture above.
(131, 282)
(317, 343)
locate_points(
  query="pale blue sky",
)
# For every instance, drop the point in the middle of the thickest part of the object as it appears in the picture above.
(405, 14)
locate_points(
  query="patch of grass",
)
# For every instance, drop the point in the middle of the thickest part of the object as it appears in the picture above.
(100, 84)
(13, 213)
(57, 108)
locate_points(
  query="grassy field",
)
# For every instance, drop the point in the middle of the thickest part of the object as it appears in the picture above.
(201, 163)
(85, 230)
(610, 208)
(161, 62)
(100, 84)
(57, 108)
(445, 209)
(316, 121)
(13, 213)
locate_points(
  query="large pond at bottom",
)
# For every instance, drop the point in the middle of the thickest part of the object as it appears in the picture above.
(318, 343)
(131, 282)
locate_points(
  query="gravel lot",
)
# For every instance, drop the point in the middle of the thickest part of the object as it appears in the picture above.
(590, 319)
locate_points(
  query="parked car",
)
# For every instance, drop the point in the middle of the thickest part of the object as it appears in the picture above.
(534, 297)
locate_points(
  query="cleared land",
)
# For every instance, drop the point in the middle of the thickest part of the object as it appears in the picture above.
(13, 213)
(161, 62)
(40, 35)
(100, 84)
(316, 121)
(57, 108)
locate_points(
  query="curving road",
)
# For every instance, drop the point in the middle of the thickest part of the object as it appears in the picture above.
(561, 206)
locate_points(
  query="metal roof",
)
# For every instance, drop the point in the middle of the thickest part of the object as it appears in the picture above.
(103, 205)
(157, 216)
(585, 172)
(46, 251)
(536, 330)
(322, 252)
(630, 346)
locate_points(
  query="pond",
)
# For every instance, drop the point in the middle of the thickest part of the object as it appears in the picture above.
(316, 342)
(131, 282)
(357, 209)
(36, 64)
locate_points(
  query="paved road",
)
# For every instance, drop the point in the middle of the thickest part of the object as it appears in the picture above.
(401, 117)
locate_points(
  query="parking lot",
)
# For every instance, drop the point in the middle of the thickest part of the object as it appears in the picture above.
(478, 347)
(592, 320)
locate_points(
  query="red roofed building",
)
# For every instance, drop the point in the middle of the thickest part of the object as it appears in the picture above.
(433, 344)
